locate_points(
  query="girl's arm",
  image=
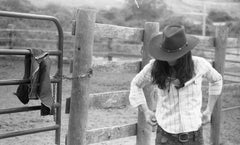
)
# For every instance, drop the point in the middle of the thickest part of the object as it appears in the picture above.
(215, 89)
(143, 78)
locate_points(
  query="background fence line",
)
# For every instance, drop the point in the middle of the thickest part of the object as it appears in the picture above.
(121, 45)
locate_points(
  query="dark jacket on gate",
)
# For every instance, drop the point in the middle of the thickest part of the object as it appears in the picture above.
(37, 69)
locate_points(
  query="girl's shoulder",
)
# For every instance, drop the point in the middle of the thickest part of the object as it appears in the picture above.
(201, 63)
(200, 60)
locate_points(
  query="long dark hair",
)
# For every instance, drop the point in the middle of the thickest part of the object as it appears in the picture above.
(184, 68)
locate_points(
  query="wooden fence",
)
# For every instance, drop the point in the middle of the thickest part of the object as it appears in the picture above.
(84, 36)
(84, 39)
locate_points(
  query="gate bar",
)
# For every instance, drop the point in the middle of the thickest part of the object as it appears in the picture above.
(24, 109)
(24, 52)
(19, 109)
(25, 132)
(25, 81)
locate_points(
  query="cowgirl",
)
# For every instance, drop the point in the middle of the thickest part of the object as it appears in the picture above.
(177, 77)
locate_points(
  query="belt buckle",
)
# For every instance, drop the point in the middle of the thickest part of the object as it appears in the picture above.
(183, 137)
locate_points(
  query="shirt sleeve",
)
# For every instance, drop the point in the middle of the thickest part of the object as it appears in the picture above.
(214, 78)
(143, 78)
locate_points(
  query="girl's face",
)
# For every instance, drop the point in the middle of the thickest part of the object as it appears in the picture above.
(172, 63)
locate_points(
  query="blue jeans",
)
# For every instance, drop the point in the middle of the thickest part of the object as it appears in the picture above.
(164, 138)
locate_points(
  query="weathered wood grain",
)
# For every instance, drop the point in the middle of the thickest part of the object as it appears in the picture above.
(144, 130)
(119, 32)
(220, 53)
(80, 84)
(110, 133)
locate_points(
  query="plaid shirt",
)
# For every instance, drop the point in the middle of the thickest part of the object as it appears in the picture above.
(178, 110)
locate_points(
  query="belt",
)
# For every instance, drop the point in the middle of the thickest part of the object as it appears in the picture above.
(186, 136)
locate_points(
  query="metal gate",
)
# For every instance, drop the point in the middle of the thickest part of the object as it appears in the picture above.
(58, 80)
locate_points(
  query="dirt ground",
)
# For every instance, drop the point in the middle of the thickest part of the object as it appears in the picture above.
(104, 80)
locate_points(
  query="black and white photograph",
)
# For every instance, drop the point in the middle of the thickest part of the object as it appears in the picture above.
(120, 72)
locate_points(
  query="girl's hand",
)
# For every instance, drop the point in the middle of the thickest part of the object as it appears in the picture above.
(206, 117)
(150, 117)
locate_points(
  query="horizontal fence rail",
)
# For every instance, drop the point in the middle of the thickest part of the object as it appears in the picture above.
(111, 133)
(123, 33)
(119, 99)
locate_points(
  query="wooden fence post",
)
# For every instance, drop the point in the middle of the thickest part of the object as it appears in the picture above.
(84, 39)
(221, 36)
(144, 130)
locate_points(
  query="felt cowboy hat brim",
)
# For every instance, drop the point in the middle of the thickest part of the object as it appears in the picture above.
(158, 52)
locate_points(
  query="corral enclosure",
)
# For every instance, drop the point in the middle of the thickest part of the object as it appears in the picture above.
(112, 76)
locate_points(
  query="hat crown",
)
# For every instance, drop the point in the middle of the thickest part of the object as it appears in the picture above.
(174, 38)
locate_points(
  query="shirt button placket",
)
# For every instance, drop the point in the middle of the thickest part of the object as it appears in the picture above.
(181, 115)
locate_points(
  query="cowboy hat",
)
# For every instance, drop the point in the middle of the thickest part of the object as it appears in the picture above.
(171, 44)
